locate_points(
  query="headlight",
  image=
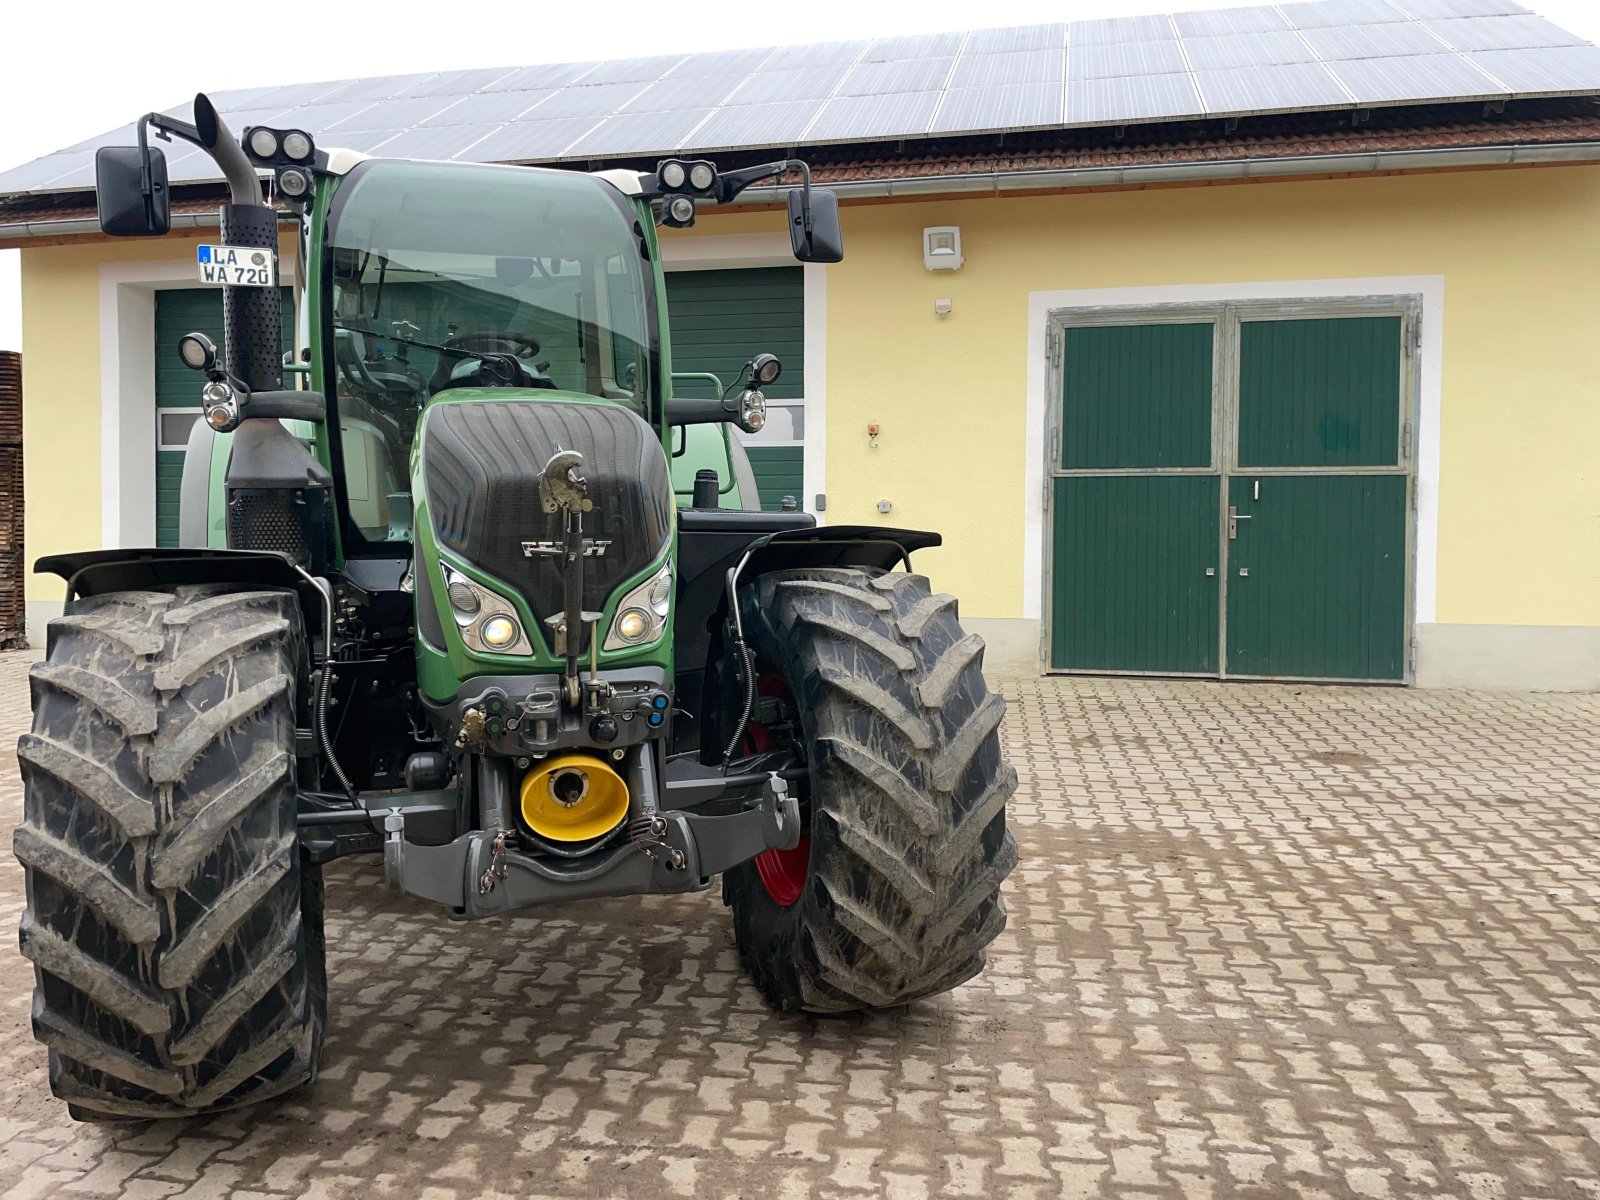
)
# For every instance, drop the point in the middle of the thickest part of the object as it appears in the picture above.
(483, 616)
(263, 143)
(642, 614)
(499, 631)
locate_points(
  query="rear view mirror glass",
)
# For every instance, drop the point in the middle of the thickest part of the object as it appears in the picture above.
(133, 202)
(824, 241)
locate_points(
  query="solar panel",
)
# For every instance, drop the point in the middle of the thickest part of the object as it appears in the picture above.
(846, 118)
(549, 75)
(1129, 99)
(919, 45)
(1500, 33)
(1259, 58)
(1552, 69)
(1008, 69)
(1231, 51)
(459, 83)
(1005, 107)
(806, 83)
(1371, 41)
(678, 95)
(1259, 89)
(826, 54)
(1113, 59)
(899, 75)
(484, 108)
(635, 70)
(1423, 10)
(528, 139)
(1261, 19)
(756, 124)
(636, 133)
(1322, 14)
(589, 101)
(1120, 29)
(1413, 77)
(1021, 37)
(719, 64)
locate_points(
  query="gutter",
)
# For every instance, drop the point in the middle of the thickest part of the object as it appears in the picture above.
(999, 182)
(1185, 172)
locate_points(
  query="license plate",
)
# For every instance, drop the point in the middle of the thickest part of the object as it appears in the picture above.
(237, 266)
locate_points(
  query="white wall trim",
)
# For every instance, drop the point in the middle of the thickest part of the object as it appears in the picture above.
(815, 468)
(731, 251)
(718, 250)
(1430, 288)
(128, 392)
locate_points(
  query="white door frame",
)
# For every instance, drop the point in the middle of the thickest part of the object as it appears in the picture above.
(731, 251)
(1430, 289)
(128, 392)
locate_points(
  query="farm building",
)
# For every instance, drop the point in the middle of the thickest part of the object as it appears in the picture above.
(1242, 343)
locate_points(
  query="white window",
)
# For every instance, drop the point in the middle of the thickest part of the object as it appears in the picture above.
(173, 426)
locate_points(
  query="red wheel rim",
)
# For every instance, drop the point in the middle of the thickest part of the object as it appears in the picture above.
(783, 872)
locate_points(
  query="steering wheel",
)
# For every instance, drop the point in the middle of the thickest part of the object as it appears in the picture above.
(494, 343)
(497, 352)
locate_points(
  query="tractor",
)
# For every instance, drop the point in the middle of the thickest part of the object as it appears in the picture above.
(472, 582)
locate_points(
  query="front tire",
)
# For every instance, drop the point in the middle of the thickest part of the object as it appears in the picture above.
(898, 894)
(175, 935)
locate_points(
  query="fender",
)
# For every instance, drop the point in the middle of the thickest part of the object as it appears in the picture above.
(95, 572)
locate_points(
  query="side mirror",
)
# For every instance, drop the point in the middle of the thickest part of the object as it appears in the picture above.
(814, 231)
(130, 185)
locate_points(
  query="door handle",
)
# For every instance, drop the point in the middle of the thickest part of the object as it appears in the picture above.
(1234, 517)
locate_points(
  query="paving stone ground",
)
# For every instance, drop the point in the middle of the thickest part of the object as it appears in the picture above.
(1266, 941)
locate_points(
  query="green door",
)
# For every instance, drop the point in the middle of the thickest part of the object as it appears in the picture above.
(1269, 542)
(720, 320)
(181, 311)
(1316, 579)
(1135, 502)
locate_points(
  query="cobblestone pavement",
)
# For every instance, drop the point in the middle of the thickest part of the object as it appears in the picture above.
(1264, 941)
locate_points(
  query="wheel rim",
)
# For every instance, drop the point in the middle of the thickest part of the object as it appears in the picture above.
(783, 872)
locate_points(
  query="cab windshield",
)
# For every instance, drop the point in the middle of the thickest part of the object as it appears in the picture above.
(450, 276)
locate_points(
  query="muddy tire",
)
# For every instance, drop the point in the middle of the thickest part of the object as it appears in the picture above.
(176, 938)
(900, 893)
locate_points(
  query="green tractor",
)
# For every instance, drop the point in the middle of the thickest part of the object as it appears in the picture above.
(455, 597)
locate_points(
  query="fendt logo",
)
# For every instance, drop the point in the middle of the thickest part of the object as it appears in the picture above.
(592, 548)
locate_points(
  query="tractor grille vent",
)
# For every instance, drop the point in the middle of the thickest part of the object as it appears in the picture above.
(482, 462)
(268, 519)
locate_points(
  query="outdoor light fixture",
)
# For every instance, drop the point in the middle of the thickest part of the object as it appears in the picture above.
(198, 352)
(941, 248)
(293, 182)
(263, 143)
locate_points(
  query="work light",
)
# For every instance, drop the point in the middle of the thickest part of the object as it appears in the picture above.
(263, 143)
(672, 174)
(297, 145)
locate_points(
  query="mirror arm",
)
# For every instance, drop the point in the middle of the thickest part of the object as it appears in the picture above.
(731, 183)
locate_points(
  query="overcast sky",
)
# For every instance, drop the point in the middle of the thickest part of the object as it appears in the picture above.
(57, 88)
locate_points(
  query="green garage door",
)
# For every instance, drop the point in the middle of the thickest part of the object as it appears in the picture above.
(186, 310)
(720, 321)
(1231, 497)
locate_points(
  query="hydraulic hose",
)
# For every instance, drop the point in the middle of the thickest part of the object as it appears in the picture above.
(325, 682)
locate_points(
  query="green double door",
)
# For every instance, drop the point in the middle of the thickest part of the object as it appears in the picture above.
(1231, 496)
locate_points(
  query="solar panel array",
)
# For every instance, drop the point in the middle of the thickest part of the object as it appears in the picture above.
(1118, 71)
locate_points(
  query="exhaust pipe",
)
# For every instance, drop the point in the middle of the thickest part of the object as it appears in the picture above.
(252, 325)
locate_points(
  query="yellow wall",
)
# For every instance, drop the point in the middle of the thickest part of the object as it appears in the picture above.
(1519, 251)
(1519, 536)
(61, 390)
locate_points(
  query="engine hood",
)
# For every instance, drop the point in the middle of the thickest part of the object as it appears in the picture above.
(480, 462)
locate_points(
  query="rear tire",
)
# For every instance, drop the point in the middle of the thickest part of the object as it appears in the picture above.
(908, 842)
(176, 936)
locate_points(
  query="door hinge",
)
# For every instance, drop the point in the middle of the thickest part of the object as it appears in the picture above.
(1054, 351)
(1414, 337)
(1055, 444)
(1405, 439)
